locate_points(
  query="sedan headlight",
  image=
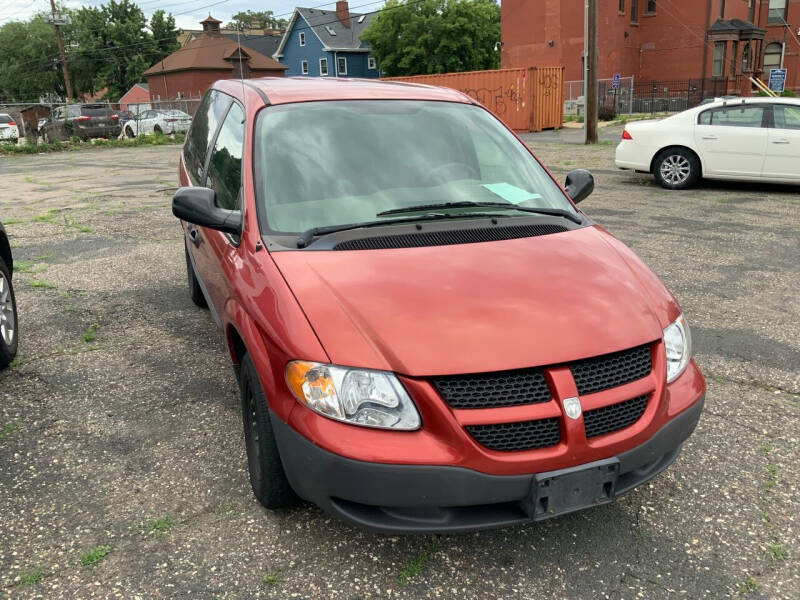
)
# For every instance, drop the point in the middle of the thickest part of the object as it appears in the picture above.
(357, 396)
(678, 346)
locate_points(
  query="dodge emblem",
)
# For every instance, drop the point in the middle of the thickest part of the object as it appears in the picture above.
(572, 407)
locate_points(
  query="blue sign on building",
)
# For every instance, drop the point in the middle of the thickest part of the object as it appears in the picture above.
(615, 81)
(777, 80)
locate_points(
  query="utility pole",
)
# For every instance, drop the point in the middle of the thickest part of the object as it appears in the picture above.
(590, 85)
(58, 21)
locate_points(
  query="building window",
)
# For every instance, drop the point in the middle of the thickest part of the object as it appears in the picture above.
(621, 8)
(746, 60)
(650, 9)
(341, 64)
(304, 67)
(734, 56)
(371, 64)
(634, 11)
(302, 38)
(751, 10)
(773, 55)
(718, 65)
(323, 66)
(777, 12)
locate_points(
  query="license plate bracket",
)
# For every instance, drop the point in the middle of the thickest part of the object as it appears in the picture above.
(567, 490)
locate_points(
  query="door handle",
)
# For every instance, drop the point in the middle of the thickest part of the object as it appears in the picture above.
(780, 141)
(709, 137)
(194, 237)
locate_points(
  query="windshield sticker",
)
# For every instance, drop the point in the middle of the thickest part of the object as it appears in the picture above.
(510, 193)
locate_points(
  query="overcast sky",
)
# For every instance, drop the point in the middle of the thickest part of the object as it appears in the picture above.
(188, 13)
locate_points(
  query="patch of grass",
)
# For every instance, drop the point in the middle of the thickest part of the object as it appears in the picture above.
(773, 477)
(765, 448)
(29, 266)
(30, 179)
(76, 144)
(13, 221)
(95, 555)
(91, 333)
(48, 217)
(30, 578)
(157, 527)
(271, 579)
(226, 509)
(69, 309)
(73, 224)
(776, 551)
(8, 429)
(418, 563)
(41, 283)
(748, 585)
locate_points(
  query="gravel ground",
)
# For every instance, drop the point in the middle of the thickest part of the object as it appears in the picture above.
(122, 465)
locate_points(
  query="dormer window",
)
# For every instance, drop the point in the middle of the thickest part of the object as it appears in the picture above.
(330, 30)
(302, 37)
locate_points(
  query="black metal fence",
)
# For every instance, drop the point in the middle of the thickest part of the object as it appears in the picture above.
(658, 96)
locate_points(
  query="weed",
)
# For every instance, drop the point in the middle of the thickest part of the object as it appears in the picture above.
(13, 221)
(48, 217)
(95, 555)
(41, 283)
(30, 179)
(91, 333)
(766, 448)
(271, 579)
(75, 225)
(69, 309)
(776, 551)
(157, 527)
(418, 563)
(30, 578)
(29, 266)
(8, 429)
(226, 509)
(748, 585)
(773, 477)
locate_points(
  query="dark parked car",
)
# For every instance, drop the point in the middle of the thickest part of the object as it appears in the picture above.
(8, 306)
(85, 121)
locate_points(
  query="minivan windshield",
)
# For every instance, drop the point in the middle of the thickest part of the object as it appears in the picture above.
(329, 163)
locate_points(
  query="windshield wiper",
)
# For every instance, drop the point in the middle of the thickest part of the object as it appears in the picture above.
(553, 212)
(304, 239)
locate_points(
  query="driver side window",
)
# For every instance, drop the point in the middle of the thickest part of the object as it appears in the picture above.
(225, 164)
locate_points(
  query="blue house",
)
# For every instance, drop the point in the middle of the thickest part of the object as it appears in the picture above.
(324, 43)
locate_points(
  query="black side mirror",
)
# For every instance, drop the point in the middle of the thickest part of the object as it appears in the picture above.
(198, 205)
(579, 184)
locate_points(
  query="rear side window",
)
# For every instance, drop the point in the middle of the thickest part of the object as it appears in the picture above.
(733, 116)
(206, 120)
(225, 164)
(786, 117)
(5, 119)
(95, 110)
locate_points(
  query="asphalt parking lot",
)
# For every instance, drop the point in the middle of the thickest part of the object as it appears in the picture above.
(122, 463)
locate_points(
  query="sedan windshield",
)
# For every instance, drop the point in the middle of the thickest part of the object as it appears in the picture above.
(322, 164)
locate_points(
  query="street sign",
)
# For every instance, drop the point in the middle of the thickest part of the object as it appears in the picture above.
(777, 80)
(57, 19)
(615, 81)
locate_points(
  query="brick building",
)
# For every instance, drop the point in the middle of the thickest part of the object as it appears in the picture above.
(189, 72)
(658, 39)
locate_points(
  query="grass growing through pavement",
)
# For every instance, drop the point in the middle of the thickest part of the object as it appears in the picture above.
(30, 578)
(418, 563)
(95, 555)
(8, 429)
(748, 585)
(271, 579)
(41, 283)
(776, 551)
(91, 333)
(157, 527)
(29, 266)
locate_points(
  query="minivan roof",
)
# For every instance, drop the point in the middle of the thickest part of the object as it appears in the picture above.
(283, 90)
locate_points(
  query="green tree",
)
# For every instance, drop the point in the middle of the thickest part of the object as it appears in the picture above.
(435, 36)
(29, 67)
(252, 19)
(165, 35)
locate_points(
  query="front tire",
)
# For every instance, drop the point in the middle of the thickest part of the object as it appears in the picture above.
(676, 168)
(129, 133)
(267, 478)
(9, 333)
(157, 130)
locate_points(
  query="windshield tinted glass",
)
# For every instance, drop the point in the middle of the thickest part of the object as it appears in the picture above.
(335, 163)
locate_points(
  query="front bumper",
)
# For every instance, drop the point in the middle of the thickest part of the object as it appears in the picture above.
(411, 498)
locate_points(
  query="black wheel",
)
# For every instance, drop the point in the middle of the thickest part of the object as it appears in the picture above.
(9, 338)
(676, 168)
(267, 477)
(129, 132)
(195, 291)
(157, 129)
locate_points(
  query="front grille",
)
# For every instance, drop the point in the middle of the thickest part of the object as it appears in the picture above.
(449, 238)
(611, 370)
(525, 435)
(491, 390)
(614, 417)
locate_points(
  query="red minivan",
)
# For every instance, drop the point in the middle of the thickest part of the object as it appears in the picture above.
(427, 333)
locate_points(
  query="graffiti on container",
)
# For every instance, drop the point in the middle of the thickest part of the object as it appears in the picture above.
(495, 99)
(548, 83)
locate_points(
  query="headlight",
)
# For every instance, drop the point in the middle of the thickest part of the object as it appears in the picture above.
(357, 396)
(678, 345)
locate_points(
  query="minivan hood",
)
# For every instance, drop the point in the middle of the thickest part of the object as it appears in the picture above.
(479, 307)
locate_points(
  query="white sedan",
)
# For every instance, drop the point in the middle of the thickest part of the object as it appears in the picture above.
(158, 121)
(744, 139)
(8, 129)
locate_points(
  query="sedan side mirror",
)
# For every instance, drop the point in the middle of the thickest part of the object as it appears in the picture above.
(579, 184)
(198, 205)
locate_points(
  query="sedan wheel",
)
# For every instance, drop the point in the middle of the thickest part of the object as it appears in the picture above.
(676, 169)
(8, 318)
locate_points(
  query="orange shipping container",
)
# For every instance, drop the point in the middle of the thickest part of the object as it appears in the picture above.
(525, 99)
